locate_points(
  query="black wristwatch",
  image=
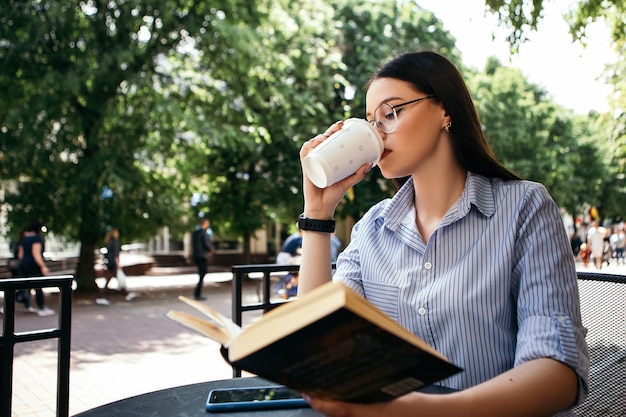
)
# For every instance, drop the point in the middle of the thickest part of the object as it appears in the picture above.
(326, 226)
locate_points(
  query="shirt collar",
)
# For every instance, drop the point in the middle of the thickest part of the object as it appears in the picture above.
(478, 192)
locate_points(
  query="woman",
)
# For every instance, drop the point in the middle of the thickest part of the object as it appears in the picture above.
(112, 256)
(466, 255)
(30, 252)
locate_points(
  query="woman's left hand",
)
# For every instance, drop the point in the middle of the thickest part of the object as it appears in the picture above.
(341, 409)
(412, 404)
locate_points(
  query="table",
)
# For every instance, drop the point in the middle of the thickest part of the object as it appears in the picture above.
(189, 400)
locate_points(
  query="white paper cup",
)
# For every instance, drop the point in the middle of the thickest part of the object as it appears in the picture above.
(345, 151)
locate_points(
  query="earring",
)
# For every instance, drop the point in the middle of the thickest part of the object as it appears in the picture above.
(447, 127)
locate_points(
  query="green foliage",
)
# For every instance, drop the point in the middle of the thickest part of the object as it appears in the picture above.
(267, 89)
(80, 112)
(520, 16)
(118, 113)
(370, 34)
(261, 94)
(538, 139)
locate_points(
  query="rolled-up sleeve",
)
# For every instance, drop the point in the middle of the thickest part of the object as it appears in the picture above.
(550, 325)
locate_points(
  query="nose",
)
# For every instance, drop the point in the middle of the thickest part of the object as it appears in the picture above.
(382, 133)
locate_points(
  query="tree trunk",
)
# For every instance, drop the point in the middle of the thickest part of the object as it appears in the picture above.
(86, 273)
(246, 248)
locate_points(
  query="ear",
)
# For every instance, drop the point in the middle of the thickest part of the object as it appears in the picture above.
(446, 122)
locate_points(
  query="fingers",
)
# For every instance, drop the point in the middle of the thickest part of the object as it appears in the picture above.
(357, 177)
(328, 408)
(332, 129)
(315, 141)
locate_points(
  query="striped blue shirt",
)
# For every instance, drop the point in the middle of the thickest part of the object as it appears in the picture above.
(494, 287)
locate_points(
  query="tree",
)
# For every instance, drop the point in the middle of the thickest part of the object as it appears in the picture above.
(537, 138)
(262, 93)
(369, 35)
(275, 85)
(523, 15)
(129, 136)
(79, 108)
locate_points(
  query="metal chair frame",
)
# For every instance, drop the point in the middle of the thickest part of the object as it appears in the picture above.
(10, 338)
(241, 272)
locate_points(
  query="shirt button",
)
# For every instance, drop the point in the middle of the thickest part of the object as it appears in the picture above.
(421, 311)
(428, 265)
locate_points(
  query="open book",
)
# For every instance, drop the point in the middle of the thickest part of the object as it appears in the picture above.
(330, 343)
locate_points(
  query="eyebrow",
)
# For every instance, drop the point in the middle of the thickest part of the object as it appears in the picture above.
(387, 100)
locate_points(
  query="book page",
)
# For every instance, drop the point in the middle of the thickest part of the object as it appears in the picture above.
(220, 329)
(203, 327)
(227, 324)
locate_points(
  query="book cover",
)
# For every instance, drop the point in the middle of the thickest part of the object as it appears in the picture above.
(330, 343)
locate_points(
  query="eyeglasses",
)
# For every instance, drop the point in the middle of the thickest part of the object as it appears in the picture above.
(386, 115)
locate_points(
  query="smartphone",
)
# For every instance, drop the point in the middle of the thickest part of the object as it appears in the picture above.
(254, 398)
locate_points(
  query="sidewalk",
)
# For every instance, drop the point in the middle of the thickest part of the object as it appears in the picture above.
(122, 350)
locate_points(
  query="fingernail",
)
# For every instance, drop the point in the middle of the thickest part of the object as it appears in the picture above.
(369, 167)
(306, 398)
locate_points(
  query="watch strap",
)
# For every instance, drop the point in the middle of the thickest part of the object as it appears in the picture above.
(325, 226)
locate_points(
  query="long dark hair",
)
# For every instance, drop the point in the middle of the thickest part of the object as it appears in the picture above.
(434, 74)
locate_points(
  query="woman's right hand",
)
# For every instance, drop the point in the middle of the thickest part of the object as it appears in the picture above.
(320, 203)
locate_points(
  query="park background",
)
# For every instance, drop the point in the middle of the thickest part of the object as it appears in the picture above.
(145, 115)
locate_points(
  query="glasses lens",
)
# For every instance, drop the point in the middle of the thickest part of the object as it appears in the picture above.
(385, 117)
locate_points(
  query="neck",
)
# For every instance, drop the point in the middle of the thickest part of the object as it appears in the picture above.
(434, 195)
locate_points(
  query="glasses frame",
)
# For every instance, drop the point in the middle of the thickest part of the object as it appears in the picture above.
(374, 122)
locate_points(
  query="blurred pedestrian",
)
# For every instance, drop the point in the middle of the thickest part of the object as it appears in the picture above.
(30, 252)
(292, 248)
(575, 241)
(14, 268)
(618, 240)
(113, 270)
(585, 254)
(202, 245)
(595, 241)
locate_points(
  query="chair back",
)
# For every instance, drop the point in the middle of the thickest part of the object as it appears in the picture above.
(10, 337)
(603, 309)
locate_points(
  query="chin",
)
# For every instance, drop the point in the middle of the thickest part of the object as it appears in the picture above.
(384, 172)
(388, 172)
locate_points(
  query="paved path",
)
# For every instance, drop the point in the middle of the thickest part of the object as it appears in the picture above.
(121, 350)
(127, 348)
